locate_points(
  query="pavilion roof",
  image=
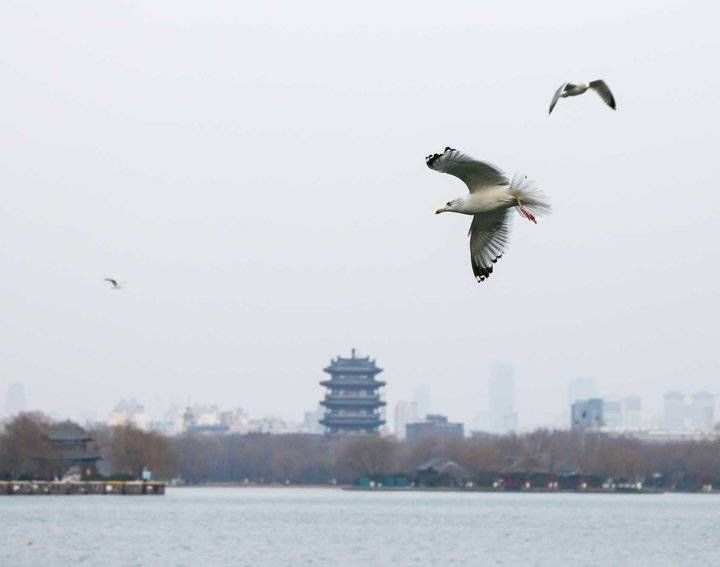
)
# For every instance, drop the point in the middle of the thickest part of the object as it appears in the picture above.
(66, 431)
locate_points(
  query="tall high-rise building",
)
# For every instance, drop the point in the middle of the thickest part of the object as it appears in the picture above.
(632, 413)
(422, 400)
(612, 415)
(587, 414)
(352, 401)
(674, 411)
(501, 400)
(15, 401)
(405, 413)
(701, 412)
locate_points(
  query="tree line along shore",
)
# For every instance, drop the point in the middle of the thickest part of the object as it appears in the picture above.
(542, 459)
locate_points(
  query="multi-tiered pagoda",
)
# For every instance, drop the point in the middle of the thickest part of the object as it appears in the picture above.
(352, 402)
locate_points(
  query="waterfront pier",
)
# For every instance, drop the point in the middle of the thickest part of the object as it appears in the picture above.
(105, 487)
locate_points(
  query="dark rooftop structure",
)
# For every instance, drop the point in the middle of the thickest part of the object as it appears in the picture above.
(439, 471)
(352, 401)
(73, 447)
(434, 426)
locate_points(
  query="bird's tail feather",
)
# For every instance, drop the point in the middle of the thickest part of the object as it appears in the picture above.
(532, 197)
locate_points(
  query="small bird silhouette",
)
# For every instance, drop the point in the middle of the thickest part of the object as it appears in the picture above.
(575, 89)
(114, 283)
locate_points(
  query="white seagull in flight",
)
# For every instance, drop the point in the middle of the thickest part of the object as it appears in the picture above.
(574, 89)
(491, 198)
(114, 283)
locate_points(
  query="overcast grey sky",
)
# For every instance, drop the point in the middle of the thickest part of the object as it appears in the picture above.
(255, 173)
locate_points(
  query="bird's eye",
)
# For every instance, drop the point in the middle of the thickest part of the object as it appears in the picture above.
(449, 203)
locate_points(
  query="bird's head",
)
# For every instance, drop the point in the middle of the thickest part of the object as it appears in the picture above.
(449, 206)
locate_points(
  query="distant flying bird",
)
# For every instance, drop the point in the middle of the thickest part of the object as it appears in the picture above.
(491, 198)
(574, 89)
(114, 283)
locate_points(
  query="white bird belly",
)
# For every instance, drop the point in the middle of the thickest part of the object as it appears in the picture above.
(485, 200)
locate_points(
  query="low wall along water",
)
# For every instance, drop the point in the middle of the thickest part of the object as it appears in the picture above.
(110, 487)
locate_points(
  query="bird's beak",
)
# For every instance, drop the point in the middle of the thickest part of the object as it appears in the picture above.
(440, 210)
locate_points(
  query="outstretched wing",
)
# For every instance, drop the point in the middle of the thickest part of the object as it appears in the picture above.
(603, 90)
(112, 281)
(489, 235)
(474, 173)
(556, 97)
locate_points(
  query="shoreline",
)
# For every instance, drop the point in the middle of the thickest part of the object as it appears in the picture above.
(474, 490)
(81, 487)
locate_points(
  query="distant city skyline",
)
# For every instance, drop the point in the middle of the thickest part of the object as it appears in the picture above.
(680, 412)
(684, 410)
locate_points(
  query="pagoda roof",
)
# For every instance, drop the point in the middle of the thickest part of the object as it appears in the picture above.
(352, 420)
(354, 364)
(348, 401)
(352, 382)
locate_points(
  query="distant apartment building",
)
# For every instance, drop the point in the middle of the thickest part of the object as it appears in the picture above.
(405, 414)
(236, 420)
(701, 412)
(204, 419)
(674, 411)
(434, 426)
(587, 414)
(171, 423)
(129, 412)
(274, 426)
(632, 413)
(423, 400)
(211, 420)
(612, 415)
(606, 415)
(680, 415)
(501, 415)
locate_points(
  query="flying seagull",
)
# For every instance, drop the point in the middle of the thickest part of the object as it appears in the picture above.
(114, 283)
(491, 198)
(574, 89)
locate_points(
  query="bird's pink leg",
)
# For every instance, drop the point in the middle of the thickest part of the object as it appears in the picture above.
(524, 212)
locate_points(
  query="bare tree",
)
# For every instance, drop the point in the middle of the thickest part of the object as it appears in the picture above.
(133, 449)
(25, 449)
(367, 456)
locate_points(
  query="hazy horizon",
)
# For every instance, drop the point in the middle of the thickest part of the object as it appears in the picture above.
(255, 175)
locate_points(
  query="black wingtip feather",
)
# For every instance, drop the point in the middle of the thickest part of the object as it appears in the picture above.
(429, 160)
(482, 273)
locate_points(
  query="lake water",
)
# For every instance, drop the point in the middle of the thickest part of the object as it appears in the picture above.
(296, 526)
